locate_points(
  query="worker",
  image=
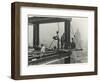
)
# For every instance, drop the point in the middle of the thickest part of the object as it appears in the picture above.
(54, 48)
(73, 45)
(42, 48)
(63, 40)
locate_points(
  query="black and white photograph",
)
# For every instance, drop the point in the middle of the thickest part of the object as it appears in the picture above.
(57, 40)
(50, 40)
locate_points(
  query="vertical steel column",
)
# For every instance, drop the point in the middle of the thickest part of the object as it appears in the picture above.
(67, 34)
(35, 35)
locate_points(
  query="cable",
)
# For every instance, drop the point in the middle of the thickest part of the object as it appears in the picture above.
(58, 26)
(51, 43)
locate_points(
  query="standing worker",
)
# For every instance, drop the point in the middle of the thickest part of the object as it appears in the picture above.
(73, 45)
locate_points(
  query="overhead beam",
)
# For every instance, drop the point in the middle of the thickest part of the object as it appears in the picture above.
(40, 20)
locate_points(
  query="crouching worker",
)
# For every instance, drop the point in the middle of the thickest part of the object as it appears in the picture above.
(42, 49)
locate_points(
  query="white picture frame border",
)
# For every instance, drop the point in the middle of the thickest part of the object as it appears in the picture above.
(50, 69)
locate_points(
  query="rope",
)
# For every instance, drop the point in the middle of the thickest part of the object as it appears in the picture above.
(58, 31)
(51, 43)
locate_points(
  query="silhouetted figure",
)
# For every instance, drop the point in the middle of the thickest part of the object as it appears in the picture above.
(55, 48)
(63, 40)
(73, 45)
